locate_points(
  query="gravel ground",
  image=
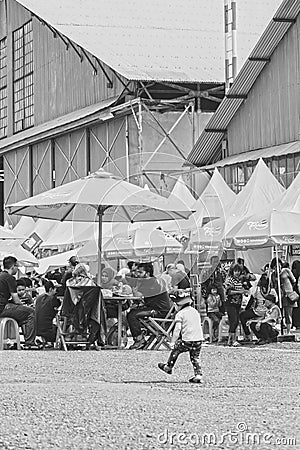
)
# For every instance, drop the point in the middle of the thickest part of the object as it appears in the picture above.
(120, 400)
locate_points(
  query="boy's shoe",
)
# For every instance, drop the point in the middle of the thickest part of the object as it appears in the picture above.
(236, 344)
(197, 379)
(165, 368)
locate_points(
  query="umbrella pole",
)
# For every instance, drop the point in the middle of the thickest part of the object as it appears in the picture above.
(100, 221)
(279, 288)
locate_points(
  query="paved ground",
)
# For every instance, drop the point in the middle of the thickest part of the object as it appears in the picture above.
(120, 400)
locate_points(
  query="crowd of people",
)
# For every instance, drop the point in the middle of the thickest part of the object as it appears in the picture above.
(253, 300)
(247, 299)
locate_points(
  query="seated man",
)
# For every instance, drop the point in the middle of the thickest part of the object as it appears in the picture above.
(15, 309)
(267, 329)
(46, 306)
(156, 302)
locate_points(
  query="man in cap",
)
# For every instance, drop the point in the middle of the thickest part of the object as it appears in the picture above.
(187, 336)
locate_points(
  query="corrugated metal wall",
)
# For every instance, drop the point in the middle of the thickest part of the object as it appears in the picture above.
(62, 82)
(270, 115)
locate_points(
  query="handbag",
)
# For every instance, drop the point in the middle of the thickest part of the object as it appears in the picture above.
(292, 296)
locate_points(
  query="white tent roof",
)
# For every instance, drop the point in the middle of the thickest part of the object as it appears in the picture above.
(260, 191)
(180, 190)
(214, 200)
(290, 200)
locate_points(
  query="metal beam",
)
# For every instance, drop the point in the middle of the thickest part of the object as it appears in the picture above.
(284, 20)
(257, 58)
(242, 96)
(215, 130)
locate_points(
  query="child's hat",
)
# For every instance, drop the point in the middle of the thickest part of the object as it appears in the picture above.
(181, 301)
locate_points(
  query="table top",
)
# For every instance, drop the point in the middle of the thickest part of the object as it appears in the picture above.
(122, 297)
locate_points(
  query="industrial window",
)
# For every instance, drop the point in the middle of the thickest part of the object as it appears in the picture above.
(3, 88)
(23, 78)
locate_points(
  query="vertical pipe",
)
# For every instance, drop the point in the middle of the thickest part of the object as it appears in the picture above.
(88, 150)
(100, 221)
(30, 170)
(226, 7)
(234, 39)
(140, 130)
(127, 147)
(279, 288)
(52, 163)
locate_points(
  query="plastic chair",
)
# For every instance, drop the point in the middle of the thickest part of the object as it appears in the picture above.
(9, 333)
(223, 328)
(207, 326)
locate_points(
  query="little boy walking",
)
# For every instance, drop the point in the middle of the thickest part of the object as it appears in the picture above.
(187, 337)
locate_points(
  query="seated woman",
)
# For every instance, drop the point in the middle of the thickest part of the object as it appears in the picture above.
(267, 329)
(255, 309)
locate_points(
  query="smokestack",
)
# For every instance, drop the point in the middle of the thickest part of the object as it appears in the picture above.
(230, 7)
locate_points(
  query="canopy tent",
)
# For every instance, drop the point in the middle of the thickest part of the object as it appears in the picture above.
(54, 262)
(261, 191)
(182, 192)
(214, 200)
(290, 200)
(100, 196)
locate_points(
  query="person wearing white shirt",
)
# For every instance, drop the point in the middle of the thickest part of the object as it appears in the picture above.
(187, 337)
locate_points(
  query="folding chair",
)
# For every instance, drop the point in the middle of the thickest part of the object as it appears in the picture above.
(81, 311)
(159, 330)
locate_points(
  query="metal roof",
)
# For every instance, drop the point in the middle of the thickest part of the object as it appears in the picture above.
(98, 111)
(206, 149)
(254, 155)
(163, 40)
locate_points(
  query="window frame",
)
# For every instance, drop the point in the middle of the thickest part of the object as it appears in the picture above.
(3, 88)
(23, 83)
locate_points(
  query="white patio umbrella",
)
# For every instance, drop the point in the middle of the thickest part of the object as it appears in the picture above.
(142, 244)
(104, 196)
(7, 234)
(54, 262)
(12, 248)
(266, 229)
